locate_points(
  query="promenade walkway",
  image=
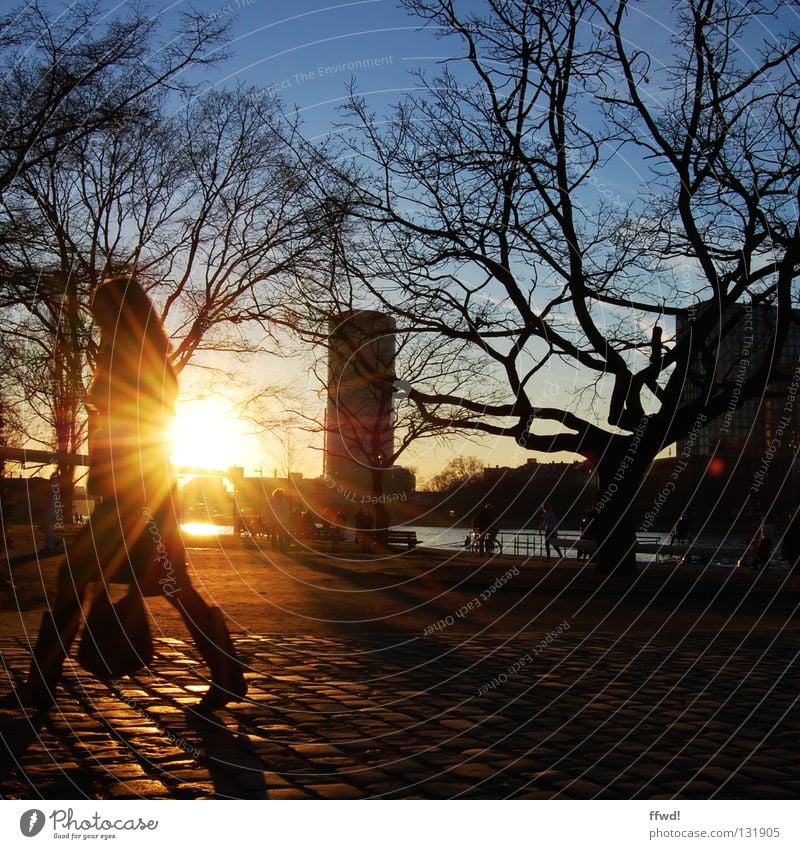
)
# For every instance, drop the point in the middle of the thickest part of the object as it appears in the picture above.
(361, 710)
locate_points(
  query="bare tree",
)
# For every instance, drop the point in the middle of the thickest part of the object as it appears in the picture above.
(459, 472)
(247, 225)
(487, 219)
(63, 76)
(206, 207)
(44, 359)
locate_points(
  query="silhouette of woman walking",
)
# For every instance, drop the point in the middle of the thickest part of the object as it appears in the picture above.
(132, 535)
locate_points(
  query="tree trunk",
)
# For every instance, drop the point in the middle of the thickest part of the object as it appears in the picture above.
(615, 537)
(68, 397)
(617, 514)
(2, 442)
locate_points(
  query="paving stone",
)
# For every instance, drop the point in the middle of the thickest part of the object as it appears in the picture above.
(189, 775)
(457, 724)
(765, 774)
(769, 791)
(332, 723)
(312, 750)
(361, 776)
(144, 788)
(336, 791)
(273, 779)
(126, 771)
(442, 789)
(193, 790)
(579, 788)
(287, 793)
(473, 770)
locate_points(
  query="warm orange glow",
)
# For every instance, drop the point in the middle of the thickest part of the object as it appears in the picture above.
(208, 434)
(716, 467)
(202, 529)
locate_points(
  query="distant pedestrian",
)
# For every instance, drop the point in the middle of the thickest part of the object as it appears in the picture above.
(48, 523)
(550, 528)
(766, 539)
(680, 533)
(363, 528)
(5, 514)
(383, 521)
(481, 524)
(587, 535)
(280, 525)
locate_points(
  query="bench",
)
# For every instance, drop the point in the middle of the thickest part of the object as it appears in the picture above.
(327, 532)
(406, 538)
(321, 532)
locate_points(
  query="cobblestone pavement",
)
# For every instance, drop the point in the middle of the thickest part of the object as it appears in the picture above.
(351, 717)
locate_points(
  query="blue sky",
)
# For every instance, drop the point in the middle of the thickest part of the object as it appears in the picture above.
(309, 51)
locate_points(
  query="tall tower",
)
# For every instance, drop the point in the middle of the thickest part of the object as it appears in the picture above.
(359, 431)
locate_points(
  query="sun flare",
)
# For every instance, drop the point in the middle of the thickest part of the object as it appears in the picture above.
(202, 529)
(208, 434)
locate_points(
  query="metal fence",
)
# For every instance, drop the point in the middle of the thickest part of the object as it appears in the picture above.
(531, 543)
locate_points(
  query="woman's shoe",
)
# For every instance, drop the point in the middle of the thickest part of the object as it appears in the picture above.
(228, 683)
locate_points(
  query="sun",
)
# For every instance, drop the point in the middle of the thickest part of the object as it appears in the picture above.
(208, 434)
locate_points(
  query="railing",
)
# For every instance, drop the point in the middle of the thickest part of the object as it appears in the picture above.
(38, 456)
(531, 543)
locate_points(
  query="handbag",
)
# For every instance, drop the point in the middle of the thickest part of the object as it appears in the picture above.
(116, 640)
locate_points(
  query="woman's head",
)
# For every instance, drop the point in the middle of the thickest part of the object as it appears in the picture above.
(132, 333)
(117, 300)
(126, 316)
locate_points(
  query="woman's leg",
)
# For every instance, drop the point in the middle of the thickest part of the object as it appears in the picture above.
(210, 634)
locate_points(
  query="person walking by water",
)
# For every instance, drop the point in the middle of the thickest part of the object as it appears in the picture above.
(281, 518)
(481, 525)
(586, 536)
(680, 533)
(132, 535)
(363, 529)
(550, 528)
(766, 539)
